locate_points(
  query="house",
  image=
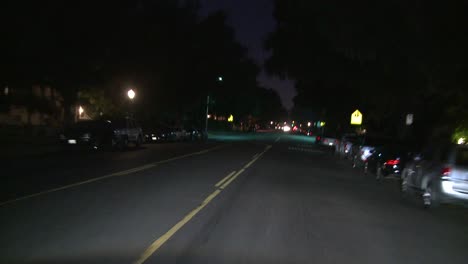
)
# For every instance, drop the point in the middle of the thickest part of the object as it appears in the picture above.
(35, 105)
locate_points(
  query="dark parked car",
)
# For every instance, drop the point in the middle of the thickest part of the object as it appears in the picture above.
(158, 134)
(193, 134)
(389, 160)
(93, 134)
(103, 133)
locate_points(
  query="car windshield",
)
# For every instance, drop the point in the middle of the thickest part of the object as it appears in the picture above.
(89, 125)
(119, 123)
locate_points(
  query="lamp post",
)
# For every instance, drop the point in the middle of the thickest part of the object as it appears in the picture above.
(131, 95)
(220, 80)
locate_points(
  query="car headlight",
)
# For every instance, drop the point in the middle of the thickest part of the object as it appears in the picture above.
(86, 136)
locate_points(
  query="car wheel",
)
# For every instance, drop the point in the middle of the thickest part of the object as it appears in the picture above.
(96, 144)
(429, 197)
(123, 144)
(378, 173)
(139, 142)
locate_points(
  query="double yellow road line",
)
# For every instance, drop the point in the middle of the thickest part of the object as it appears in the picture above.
(221, 185)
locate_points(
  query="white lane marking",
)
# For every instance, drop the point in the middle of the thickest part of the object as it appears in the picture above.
(278, 139)
(120, 173)
(305, 150)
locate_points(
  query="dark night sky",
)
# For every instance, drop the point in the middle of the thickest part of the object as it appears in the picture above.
(253, 20)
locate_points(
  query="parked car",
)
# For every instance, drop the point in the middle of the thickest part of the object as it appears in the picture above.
(345, 145)
(193, 134)
(126, 131)
(157, 134)
(365, 147)
(103, 133)
(329, 141)
(439, 175)
(389, 160)
(178, 134)
(90, 134)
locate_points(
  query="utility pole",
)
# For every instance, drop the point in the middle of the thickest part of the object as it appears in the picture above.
(206, 116)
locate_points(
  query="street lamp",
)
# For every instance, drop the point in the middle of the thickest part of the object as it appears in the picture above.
(80, 111)
(131, 94)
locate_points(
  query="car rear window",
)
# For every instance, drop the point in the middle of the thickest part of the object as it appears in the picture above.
(119, 123)
(462, 157)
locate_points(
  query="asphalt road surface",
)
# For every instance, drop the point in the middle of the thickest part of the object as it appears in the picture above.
(264, 198)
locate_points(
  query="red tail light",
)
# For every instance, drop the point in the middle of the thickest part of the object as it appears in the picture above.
(446, 171)
(392, 162)
(318, 138)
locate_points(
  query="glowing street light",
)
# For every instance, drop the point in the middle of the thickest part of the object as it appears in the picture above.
(80, 110)
(309, 124)
(131, 94)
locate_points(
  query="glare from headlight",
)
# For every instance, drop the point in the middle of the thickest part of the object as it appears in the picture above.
(286, 128)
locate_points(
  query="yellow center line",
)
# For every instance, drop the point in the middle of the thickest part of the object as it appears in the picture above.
(164, 238)
(232, 179)
(225, 179)
(120, 173)
(252, 161)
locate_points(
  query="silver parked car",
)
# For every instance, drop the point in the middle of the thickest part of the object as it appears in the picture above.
(438, 175)
(345, 145)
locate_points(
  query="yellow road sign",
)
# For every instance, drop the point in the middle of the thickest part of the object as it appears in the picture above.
(356, 118)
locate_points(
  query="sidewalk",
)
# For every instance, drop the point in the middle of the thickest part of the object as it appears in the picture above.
(18, 147)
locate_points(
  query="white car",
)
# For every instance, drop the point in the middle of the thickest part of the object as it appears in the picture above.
(438, 175)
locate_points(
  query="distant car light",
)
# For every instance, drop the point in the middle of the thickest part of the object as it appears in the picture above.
(286, 128)
(72, 141)
(154, 138)
(330, 144)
